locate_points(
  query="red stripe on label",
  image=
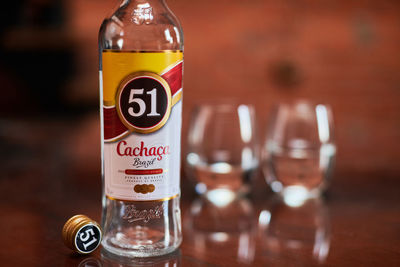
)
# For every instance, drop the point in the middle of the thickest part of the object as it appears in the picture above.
(112, 124)
(174, 78)
(143, 172)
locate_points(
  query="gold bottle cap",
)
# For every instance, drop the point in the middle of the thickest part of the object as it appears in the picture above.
(82, 234)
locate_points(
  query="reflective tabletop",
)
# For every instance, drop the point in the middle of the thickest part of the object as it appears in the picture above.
(54, 174)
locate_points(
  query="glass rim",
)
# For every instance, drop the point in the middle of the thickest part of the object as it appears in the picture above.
(222, 106)
(301, 101)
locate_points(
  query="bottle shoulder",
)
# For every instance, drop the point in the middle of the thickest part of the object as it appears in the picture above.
(141, 29)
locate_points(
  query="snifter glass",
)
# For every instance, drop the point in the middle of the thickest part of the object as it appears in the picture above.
(221, 152)
(299, 149)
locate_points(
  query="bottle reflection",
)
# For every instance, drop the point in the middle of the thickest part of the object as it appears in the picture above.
(90, 262)
(295, 232)
(211, 229)
(169, 260)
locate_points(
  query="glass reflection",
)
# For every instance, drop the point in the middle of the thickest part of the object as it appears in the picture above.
(169, 260)
(90, 262)
(295, 232)
(211, 229)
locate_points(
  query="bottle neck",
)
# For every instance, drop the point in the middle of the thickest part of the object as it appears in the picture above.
(143, 11)
(141, 25)
(144, 3)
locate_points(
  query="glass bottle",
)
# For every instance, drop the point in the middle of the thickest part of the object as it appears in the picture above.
(141, 63)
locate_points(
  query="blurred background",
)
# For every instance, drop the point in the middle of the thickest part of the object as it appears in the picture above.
(342, 53)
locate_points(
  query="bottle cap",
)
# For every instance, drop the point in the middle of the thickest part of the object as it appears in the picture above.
(82, 234)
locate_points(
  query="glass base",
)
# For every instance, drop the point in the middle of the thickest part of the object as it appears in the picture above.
(296, 195)
(141, 247)
(111, 259)
(135, 229)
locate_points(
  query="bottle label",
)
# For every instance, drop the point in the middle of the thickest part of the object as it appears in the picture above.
(142, 111)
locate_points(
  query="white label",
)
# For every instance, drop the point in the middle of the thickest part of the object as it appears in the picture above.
(145, 166)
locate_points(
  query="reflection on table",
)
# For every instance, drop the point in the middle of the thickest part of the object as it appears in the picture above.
(295, 232)
(211, 228)
(108, 260)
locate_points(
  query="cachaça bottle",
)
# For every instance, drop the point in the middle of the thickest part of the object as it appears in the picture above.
(141, 65)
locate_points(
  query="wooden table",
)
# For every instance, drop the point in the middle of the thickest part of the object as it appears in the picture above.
(50, 171)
